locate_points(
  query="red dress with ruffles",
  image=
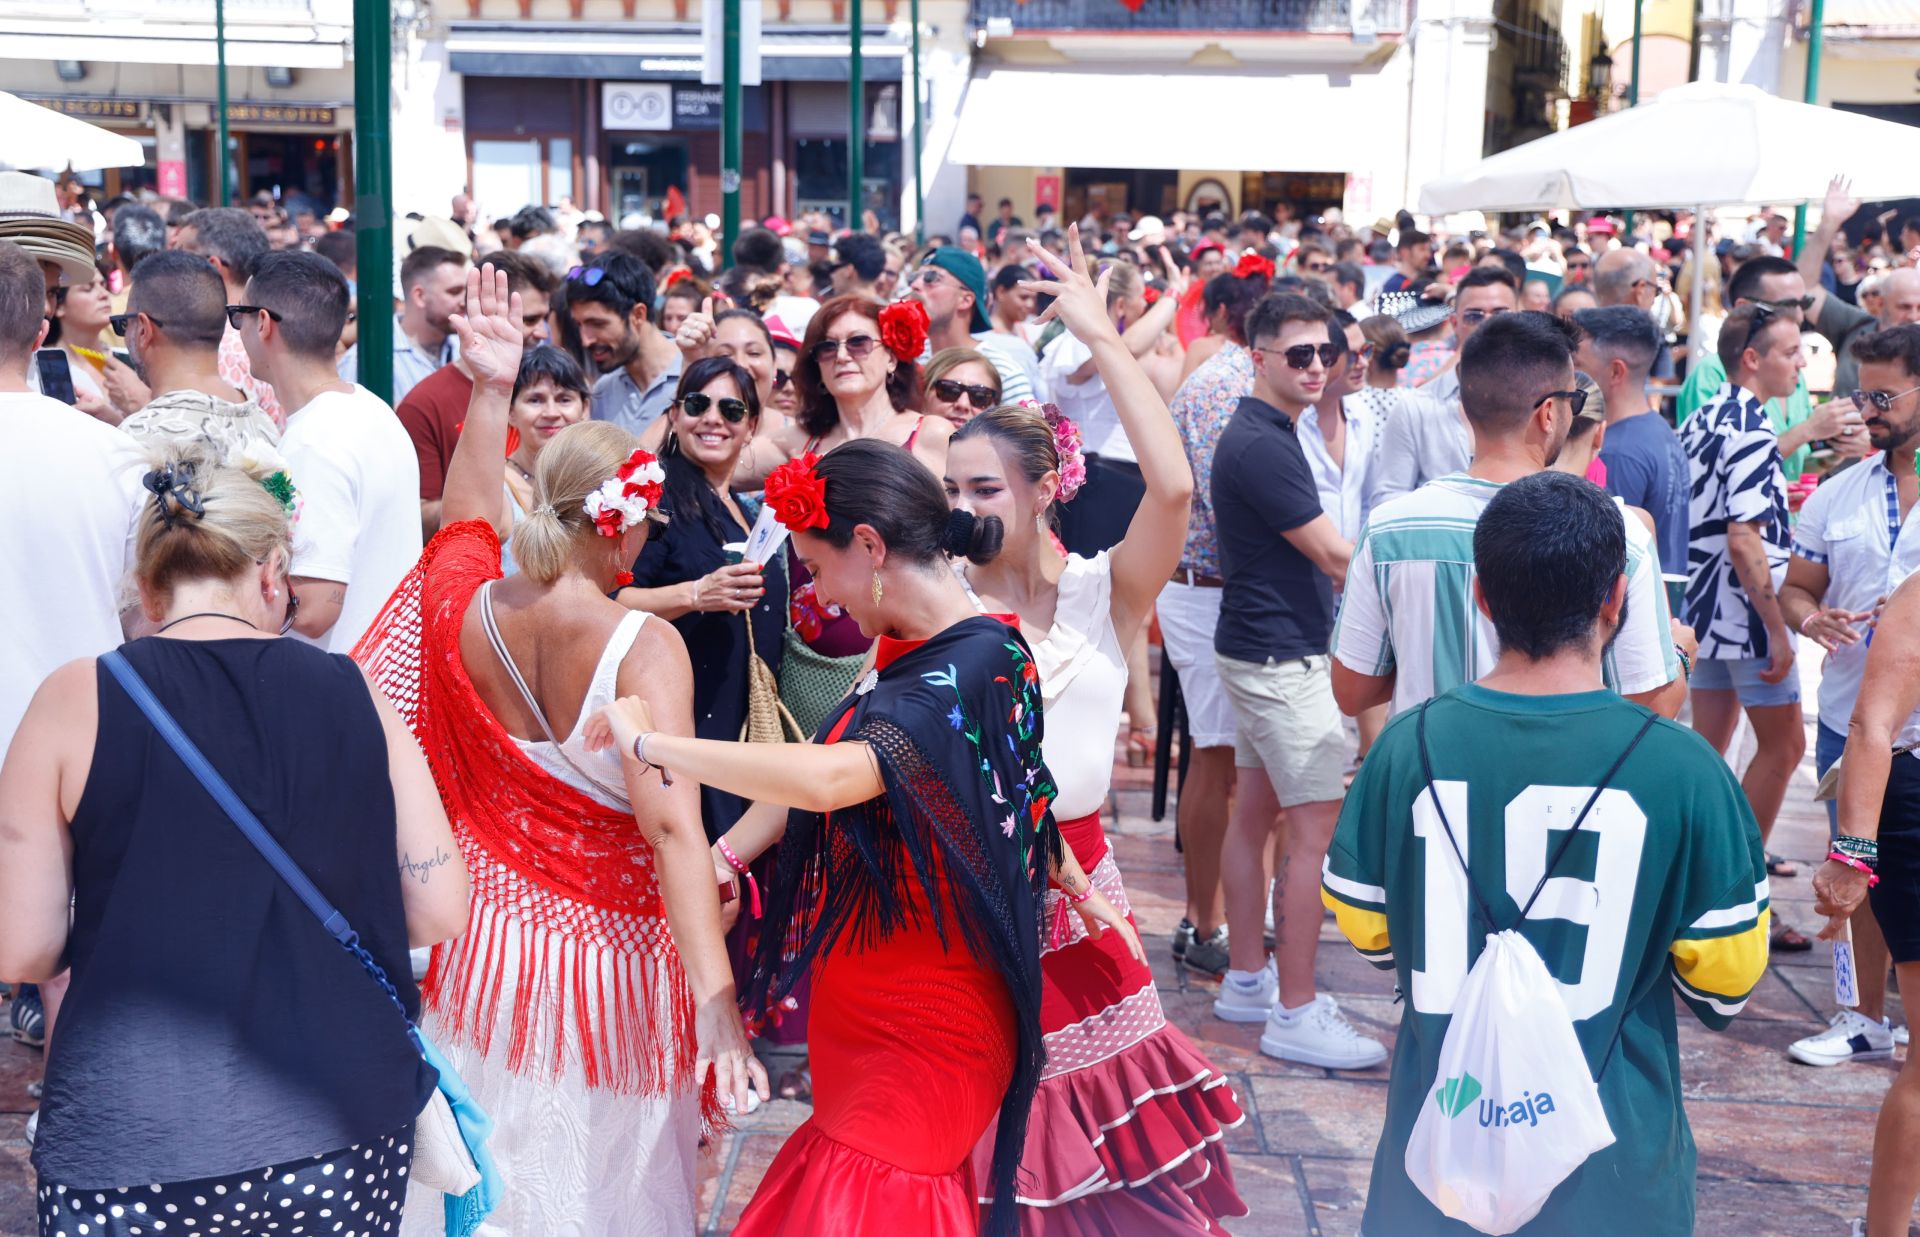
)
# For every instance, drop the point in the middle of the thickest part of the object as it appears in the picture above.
(912, 1047)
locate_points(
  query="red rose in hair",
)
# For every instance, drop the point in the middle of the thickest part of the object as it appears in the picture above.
(1252, 264)
(797, 492)
(1151, 295)
(903, 329)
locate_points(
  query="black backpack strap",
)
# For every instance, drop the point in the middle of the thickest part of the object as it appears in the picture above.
(1433, 792)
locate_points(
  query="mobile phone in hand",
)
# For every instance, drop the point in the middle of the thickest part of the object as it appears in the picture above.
(56, 377)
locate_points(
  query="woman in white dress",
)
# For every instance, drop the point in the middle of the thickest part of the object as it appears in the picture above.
(1126, 1130)
(566, 1007)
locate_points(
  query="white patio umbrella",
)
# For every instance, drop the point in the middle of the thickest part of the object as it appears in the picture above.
(35, 138)
(1702, 144)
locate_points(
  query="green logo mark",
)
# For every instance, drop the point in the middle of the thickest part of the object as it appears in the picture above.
(1455, 1094)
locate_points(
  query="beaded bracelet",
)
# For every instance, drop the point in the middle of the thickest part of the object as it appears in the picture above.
(640, 754)
(1860, 848)
(1686, 663)
(1857, 865)
(733, 861)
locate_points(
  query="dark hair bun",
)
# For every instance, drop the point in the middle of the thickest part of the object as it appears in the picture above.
(1397, 356)
(972, 538)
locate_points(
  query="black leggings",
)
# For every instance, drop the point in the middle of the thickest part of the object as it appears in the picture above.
(360, 1189)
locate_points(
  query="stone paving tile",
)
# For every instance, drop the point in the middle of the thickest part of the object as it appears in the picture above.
(1338, 1188)
(1270, 1189)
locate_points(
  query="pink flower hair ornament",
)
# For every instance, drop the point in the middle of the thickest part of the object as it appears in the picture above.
(1068, 444)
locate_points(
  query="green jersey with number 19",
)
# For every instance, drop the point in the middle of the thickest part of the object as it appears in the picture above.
(1662, 888)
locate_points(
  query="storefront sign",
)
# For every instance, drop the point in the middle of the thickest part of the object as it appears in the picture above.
(173, 178)
(278, 114)
(638, 105)
(93, 109)
(1046, 191)
(698, 107)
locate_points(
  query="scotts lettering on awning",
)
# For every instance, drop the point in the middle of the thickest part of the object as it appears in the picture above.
(278, 114)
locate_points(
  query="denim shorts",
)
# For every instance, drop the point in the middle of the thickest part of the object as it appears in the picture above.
(1741, 675)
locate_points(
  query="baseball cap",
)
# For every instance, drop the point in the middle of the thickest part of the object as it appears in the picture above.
(1150, 225)
(966, 268)
(818, 237)
(777, 225)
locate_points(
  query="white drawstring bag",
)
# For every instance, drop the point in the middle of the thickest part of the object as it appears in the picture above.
(1514, 1108)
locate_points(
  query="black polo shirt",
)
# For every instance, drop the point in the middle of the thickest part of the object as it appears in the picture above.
(1277, 604)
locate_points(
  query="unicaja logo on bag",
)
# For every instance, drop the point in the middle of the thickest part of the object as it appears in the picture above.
(1455, 1095)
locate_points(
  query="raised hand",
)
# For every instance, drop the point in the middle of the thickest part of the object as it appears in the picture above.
(618, 725)
(1078, 302)
(490, 335)
(1839, 205)
(697, 331)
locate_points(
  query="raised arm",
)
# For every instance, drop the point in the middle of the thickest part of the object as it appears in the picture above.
(1838, 207)
(490, 344)
(1149, 552)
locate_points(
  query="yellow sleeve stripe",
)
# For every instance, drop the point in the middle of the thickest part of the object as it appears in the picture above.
(1724, 966)
(1365, 927)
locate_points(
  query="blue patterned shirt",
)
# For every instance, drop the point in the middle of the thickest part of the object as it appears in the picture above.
(1201, 409)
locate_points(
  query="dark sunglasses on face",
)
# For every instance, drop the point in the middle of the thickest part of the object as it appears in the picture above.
(588, 275)
(1300, 356)
(121, 322)
(696, 405)
(1802, 303)
(1882, 401)
(929, 277)
(1576, 400)
(859, 347)
(950, 391)
(781, 378)
(1318, 268)
(1474, 317)
(237, 312)
(1577, 266)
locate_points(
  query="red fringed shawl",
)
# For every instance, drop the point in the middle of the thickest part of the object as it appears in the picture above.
(567, 879)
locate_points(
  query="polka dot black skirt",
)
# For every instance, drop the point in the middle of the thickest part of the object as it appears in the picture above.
(357, 1192)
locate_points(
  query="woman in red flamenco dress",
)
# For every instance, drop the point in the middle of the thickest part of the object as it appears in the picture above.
(912, 871)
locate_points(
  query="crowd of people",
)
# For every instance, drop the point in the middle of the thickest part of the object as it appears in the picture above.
(501, 666)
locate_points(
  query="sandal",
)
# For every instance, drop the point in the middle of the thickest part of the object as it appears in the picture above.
(797, 1084)
(1784, 868)
(1141, 742)
(1789, 940)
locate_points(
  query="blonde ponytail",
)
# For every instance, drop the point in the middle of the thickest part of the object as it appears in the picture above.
(573, 465)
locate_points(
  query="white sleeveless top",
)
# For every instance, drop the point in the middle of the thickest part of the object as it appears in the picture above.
(1083, 685)
(603, 691)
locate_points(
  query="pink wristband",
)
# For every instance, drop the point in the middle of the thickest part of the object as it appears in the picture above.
(733, 861)
(1858, 865)
(1806, 620)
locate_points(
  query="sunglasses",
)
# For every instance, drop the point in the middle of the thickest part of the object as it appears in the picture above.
(950, 391)
(1802, 303)
(1576, 400)
(1577, 266)
(587, 275)
(293, 610)
(1300, 356)
(120, 322)
(696, 405)
(1317, 268)
(1882, 401)
(929, 277)
(1474, 317)
(859, 347)
(781, 378)
(237, 312)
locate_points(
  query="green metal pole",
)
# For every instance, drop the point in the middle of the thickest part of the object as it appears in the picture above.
(730, 121)
(1633, 100)
(373, 189)
(919, 162)
(1816, 20)
(857, 120)
(221, 195)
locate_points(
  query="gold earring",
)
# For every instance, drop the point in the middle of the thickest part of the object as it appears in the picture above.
(878, 589)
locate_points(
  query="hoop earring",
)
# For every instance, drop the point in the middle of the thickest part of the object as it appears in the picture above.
(878, 588)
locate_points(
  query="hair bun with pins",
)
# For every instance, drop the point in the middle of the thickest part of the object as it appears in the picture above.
(969, 537)
(175, 491)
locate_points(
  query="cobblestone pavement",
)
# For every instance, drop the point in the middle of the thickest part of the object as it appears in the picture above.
(1784, 1149)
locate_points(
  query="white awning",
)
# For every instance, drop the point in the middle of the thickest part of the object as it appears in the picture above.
(1062, 117)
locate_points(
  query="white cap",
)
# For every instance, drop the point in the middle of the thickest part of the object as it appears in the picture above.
(1150, 225)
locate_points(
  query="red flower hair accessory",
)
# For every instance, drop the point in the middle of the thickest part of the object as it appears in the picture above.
(1252, 264)
(904, 326)
(1151, 295)
(629, 496)
(798, 493)
(674, 276)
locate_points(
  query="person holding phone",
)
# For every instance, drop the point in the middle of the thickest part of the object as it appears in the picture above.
(686, 575)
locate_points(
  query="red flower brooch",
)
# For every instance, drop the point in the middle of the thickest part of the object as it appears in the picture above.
(903, 329)
(626, 498)
(798, 494)
(1252, 264)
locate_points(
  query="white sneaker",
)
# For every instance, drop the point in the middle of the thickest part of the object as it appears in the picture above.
(1240, 1001)
(1269, 925)
(1850, 1036)
(1900, 1036)
(1320, 1035)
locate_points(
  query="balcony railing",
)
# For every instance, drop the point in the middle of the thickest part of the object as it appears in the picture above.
(1252, 16)
(189, 12)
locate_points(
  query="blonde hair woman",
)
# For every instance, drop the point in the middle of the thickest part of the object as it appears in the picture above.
(567, 1008)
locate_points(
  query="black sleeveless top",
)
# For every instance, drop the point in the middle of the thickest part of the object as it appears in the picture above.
(212, 1025)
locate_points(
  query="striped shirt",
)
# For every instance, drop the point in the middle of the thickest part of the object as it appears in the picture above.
(1408, 608)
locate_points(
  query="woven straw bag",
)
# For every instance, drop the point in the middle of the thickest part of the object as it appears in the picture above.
(768, 720)
(811, 683)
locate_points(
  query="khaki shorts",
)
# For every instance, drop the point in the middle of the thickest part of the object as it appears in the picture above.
(1288, 725)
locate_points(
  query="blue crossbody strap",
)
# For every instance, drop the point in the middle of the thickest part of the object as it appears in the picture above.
(276, 856)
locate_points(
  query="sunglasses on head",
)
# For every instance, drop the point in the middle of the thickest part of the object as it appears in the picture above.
(588, 275)
(235, 313)
(1300, 356)
(950, 391)
(1882, 401)
(859, 347)
(731, 407)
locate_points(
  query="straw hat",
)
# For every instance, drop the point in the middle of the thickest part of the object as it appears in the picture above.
(30, 218)
(1414, 314)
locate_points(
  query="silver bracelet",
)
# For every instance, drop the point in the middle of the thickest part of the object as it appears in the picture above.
(640, 754)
